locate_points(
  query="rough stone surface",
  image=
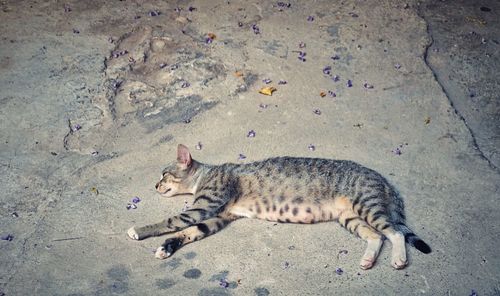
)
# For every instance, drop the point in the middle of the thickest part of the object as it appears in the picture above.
(96, 95)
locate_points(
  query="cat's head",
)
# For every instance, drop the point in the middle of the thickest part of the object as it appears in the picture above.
(177, 178)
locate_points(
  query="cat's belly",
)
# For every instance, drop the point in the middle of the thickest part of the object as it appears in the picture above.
(290, 210)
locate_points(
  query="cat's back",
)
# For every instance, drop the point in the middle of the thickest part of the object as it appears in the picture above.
(304, 168)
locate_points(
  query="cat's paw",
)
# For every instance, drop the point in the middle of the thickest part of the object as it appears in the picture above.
(367, 263)
(399, 262)
(169, 247)
(132, 233)
(161, 253)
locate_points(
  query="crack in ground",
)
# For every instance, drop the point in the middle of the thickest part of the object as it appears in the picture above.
(450, 101)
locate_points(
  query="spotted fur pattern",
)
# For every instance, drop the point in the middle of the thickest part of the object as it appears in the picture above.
(287, 190)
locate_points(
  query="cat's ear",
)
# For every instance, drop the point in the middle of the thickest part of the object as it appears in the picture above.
(183, 156)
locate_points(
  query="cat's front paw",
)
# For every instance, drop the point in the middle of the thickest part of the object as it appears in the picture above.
(168, 248)
(161, 253)
(133, 234)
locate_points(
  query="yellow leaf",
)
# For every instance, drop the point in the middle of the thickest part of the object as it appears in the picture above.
(268, 90)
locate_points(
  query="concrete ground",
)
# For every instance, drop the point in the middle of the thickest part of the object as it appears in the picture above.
(96, 95)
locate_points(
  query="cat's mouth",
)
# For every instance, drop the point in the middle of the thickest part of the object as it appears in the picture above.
(164, 193)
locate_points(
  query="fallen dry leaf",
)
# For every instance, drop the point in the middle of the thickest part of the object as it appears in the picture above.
(268, 90)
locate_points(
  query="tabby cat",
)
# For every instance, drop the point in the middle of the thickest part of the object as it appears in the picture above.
(283, 189)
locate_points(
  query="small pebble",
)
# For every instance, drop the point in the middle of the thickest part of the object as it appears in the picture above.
(131, 206)
(339, 271)
(311, 147)
(310, 18)
(241, 157)
(198, 146)
(267, 80)
(302, 45)
(397, 66)
(282, 82)
(349, 83)
(317, 111)
(251, 134)
(335, 78)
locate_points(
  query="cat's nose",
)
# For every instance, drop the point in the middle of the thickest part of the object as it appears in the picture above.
(157, 185)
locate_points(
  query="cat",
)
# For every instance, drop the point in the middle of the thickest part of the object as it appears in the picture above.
(283, 189)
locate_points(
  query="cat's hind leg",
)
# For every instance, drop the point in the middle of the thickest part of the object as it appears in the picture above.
(377, 218)
(358, 226)
(191, 234)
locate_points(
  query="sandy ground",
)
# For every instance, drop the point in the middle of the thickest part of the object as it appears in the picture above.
(96, 95)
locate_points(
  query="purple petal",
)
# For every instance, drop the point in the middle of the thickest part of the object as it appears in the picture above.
(311, 147)
(335, 78)
(327, 70)
(302, 45)
(317, 111)
(310, 18)
(255, 29)
(154, 13)
(8, 237)
(397, 66)
(339, 271)
(223, 283)
(241, 157)
(335, 57)
(349, 83)
(76, 127)
(332, 94)
(136, 199)
(367, 85)
(267, 80)
(251, 134)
